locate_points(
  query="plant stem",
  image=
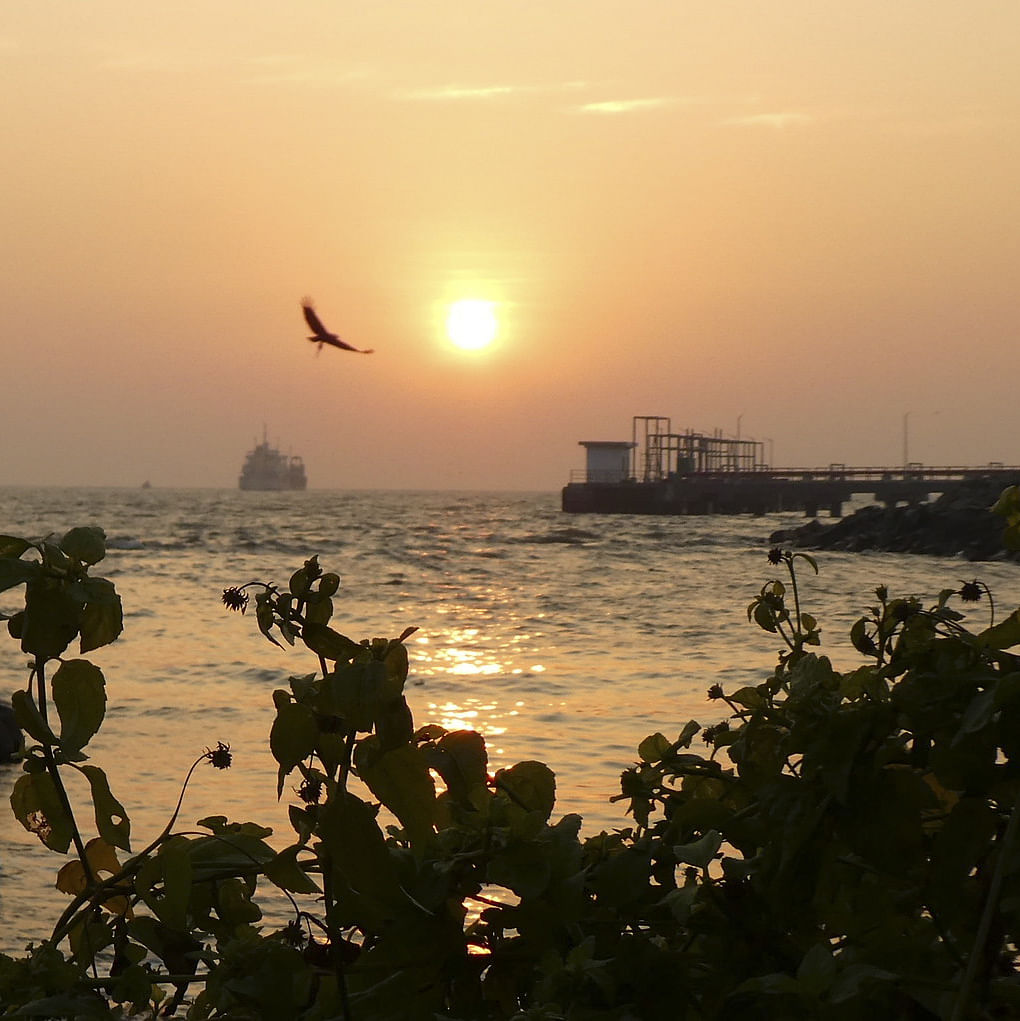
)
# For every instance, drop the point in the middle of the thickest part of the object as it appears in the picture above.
(991, 904)
(58, 782)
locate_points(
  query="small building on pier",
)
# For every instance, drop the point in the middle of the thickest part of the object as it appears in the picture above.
(607, 461)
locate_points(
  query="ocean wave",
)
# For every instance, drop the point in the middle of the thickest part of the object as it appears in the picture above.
(566, 536)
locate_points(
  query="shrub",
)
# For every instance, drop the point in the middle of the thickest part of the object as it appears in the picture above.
(845, 846)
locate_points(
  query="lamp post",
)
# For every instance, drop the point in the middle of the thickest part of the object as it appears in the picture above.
(906, 436)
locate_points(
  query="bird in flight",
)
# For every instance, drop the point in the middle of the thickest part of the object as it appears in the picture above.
(320, 335)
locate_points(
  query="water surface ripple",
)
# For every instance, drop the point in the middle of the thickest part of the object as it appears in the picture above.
(561, 638)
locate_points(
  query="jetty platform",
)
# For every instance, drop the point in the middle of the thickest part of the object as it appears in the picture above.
(662, 472)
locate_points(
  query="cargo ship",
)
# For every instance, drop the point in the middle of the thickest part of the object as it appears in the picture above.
(266, 468)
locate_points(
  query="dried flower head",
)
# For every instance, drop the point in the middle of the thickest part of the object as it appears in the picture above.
(903, 609)
(775, 555)
(711, 733)
(310, 790)
(293, 934)
(882, 592)
(235, 599)
(970, 591)
(715, 691)
(219, 756)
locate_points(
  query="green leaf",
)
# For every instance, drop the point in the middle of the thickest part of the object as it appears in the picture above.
(102, 620)
(30, 719)
(357, 690)
(292, 738)
(164, 882)
(530, 786)
(234, 904)
(88, 937)
(39, 809)
(1008, 503)
(79, 693)
(861, 640)
(16, 572)
(85, 544)
(233, 849)
(690, 730)
(764, 616)
(396, 662)
(700, 852)
(176, 949)
(111, 820)
(52, 617)
(459, 757)
(751, 698)
(361, 862)
(264, 615)
(300, 581)
(654, 748)
(401, 780)
(817, 970)
(13, 546)
(622, 878)
(329, 644)
(979, 714)
(523, 867)
(285, 872)
(810, 559)
(394, 723)
(1003, 635)
(318, 611)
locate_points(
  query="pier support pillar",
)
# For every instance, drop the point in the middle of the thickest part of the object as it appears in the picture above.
(836, 509)
(811, 510)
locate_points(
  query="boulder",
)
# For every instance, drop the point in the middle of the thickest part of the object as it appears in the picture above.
(958, 523)
(12, 741)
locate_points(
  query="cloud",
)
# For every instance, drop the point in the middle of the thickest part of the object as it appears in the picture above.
(457, 93)
(618, 106)
(770, 120)
(464, 92)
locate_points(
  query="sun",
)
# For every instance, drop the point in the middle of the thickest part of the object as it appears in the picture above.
(472, 324)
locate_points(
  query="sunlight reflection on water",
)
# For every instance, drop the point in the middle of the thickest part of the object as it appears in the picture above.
(562, 640)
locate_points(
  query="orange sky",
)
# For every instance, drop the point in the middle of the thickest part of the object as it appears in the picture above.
(805, 214)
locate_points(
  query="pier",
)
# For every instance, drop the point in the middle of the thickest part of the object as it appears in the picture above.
(662, 472)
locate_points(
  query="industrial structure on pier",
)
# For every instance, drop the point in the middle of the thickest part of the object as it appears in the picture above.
(659, 471)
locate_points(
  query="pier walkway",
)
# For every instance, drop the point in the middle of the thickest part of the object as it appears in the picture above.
(766, 490)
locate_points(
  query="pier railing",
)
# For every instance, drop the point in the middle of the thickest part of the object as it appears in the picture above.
(832, 473)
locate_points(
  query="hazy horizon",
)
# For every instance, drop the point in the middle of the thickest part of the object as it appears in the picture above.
(799, 221)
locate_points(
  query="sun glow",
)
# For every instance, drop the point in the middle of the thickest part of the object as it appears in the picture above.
(471, 323)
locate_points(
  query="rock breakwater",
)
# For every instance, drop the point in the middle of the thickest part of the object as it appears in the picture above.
(959, 523)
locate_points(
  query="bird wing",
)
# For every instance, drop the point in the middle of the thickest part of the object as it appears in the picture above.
(337, 342)
(314, 322)
(322, 335)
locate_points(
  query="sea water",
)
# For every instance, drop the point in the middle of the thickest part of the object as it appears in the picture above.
(561, 638)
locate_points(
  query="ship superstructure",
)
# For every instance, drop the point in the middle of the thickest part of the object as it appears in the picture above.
(266, 468)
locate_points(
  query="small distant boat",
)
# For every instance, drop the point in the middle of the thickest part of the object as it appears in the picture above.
(265, 468)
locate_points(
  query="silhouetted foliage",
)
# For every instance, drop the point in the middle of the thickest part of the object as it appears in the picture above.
(844, 846)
